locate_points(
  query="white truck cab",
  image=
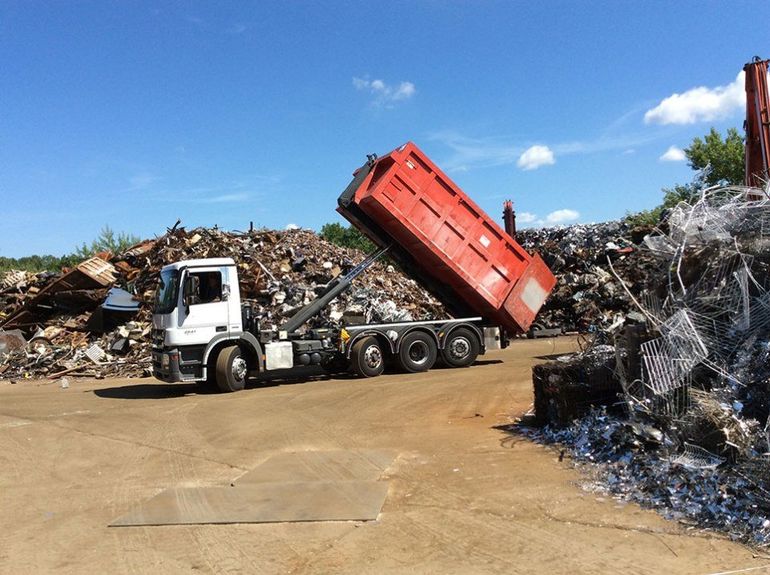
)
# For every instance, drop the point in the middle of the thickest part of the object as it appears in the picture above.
(197, 306)
(209, 308)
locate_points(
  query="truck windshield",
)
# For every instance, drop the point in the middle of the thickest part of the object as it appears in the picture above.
(165, 295)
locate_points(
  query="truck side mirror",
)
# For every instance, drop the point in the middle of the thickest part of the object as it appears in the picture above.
(190, 291)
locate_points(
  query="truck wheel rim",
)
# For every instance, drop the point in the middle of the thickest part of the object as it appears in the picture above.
(239, 368)
(372, 357)
(418, 352)
(459, 348)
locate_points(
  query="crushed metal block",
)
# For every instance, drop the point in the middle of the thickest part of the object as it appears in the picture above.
(568, 388)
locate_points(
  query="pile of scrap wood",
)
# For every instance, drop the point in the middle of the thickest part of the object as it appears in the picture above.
(68, 327)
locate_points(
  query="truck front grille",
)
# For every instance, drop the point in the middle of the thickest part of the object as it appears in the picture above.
(158, 338)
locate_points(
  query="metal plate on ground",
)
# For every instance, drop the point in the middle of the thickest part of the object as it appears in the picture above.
(333, 465)
(262, 503)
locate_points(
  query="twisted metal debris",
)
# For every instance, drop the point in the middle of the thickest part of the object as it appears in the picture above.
(715, 300)
(689, 434)
(587, 296)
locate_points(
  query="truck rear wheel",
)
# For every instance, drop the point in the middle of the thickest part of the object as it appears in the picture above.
(461, 348)
(366, 357)
(418, 352)
(232, 369)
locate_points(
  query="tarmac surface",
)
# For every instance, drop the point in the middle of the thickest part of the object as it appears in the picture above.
(463, 496)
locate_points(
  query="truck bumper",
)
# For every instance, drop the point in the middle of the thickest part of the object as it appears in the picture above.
(165, 366)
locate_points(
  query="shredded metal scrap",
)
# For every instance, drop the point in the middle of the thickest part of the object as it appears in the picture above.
(588, 296)
(640, 464)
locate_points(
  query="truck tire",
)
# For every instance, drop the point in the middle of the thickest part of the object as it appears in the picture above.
(461, 348)
(366, 357)
(418, 352)
(231, 369)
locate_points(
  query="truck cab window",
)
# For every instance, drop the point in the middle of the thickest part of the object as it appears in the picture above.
(210, 287)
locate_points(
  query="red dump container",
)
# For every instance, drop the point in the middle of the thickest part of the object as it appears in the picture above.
(444, 239)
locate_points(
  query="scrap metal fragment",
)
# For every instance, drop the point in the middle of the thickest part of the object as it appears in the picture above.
(695, 457)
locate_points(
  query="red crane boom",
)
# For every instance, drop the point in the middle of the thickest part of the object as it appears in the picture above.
(757, 124)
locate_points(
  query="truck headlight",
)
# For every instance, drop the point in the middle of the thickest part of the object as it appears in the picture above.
(164, 360)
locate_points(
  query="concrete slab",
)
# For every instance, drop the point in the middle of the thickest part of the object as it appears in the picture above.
(332, 465)
(264, 503)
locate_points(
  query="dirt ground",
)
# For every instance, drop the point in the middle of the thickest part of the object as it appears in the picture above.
(464, 497)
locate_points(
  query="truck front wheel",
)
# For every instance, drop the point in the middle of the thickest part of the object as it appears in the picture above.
(418, 352)
(231, 369)
(366, 357)
(461, 348)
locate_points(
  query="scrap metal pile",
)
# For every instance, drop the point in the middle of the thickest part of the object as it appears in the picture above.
(688, 431)
(588, 295)
(56, 324)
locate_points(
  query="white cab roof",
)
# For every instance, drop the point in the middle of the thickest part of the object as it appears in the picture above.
(210, 262)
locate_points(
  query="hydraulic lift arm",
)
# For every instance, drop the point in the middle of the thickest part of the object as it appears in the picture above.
(333, 289)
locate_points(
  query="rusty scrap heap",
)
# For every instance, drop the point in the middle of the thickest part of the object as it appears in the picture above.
(56, 324)
(685, 381)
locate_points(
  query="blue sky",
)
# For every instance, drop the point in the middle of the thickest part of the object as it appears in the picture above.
(134, 114)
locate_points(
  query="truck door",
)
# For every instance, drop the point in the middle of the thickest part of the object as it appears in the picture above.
(208, 314)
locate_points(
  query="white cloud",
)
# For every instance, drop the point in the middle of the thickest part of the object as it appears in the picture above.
(469, 153)
(142, 181)
(562, 216)
(699, 104)
(534, 157)
(405, 90)
(555, 218)
(525, 217)
(673, 154)
(385, 94)
(290, 227)
(237, 29)
(224, 198)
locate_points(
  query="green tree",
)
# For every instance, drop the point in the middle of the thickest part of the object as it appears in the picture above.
(716, 160)
(347, 237)
(726, 157)
(680, 193)
(107, 241)
(671, 197)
